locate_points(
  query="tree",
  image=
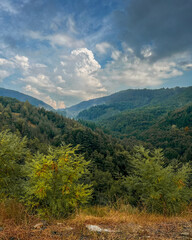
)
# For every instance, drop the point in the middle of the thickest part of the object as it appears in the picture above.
(158, 189)
(55, 183)
(13, 153)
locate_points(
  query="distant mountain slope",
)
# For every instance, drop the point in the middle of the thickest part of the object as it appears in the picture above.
(44, 128)
(23, 97)
(75, 109)
(173, 132)
(47, 127)
(133, 99)
(133, 122)
(161, 127)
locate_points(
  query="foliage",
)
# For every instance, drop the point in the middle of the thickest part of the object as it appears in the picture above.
(13, 152)
(110, 158)
(104, 108)
(158, 189)
(159, 127)
(44, 128)
(55, 182)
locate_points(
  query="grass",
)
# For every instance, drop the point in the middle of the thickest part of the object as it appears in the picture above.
(127, 222)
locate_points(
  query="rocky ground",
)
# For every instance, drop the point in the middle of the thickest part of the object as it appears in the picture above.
(88, 228)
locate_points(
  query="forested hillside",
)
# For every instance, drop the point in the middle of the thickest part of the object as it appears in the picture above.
(54, 165)
(109, 158)
(158, 126)
(173, 133)
(104, 107)
(23, 97)
(159, 118)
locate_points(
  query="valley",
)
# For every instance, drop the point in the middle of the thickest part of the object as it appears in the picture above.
(118, 151)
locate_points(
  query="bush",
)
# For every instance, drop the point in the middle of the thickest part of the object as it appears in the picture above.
(13, 153)
(54, 186)
(154, 187)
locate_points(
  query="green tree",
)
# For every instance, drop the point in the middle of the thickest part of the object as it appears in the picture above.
(13, 153)
(55, 181)
(158, 189)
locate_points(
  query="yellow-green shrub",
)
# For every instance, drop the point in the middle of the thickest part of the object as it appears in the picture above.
(54, 182)
(13, 153)
(157, 188)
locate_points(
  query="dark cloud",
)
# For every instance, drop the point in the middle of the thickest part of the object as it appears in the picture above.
(163, 24)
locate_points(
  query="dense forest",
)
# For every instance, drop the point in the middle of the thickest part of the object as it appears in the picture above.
(129, 99)
(165, 120)
(156, 126)
(109, 158)
(54, 164)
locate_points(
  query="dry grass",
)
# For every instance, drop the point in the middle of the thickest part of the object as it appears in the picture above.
(13, 211)
(128, 223)
(102, 215)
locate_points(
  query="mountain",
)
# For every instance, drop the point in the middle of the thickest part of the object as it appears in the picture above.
(159, 127)
(44, 128)
(173, 133)
(130, 99)
(110, 158)
(159, 118)
(75, 109)
(23, 97)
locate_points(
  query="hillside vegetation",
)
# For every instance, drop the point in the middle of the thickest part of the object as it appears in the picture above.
(43, 137)
(165, 120)
(53, 167)
(109, 159)
(130, 99)
(23, 97)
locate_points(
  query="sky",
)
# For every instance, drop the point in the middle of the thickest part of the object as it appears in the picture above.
(67, 51)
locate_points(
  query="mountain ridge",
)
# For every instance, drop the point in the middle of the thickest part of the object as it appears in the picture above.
(133, 99)
(24, 97)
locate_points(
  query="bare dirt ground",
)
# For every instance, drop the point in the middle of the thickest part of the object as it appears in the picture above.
(123, 227)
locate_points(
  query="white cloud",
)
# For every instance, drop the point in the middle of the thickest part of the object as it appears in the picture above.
(22, 62)
(71, 25)
(53, 103)
(187, 66)
(5, 5)
(61, 39)
(3, 74)
(79, 71)
(60, 79)
(64, 40)
(85, 62)
(11, 6)
(5, 63)
(34, 91)
(146, 51)
(61, 104)
(39, 65)
(75, 76)
(103, 47)
(40, 80)
(78, 75)
(43, 96)
(130, 71)
(115, 54)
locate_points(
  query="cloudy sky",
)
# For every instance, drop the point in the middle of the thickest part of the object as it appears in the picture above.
(67, 51)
